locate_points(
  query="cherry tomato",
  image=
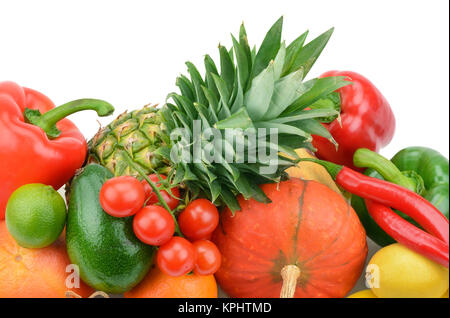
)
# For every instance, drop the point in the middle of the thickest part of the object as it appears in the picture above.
(154, 225)
(152, 198)
(199, 219)
(122, 196)
(176, 257)
(208, 257)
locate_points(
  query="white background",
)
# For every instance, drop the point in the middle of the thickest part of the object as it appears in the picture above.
(130, 52)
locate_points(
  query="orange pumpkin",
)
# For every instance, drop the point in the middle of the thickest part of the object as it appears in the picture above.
(308, 242)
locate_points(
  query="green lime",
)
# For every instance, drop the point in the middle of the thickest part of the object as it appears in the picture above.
(35, 215)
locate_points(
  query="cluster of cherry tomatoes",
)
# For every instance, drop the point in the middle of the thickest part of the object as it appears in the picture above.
(154, 225)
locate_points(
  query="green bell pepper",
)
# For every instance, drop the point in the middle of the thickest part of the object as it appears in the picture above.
(420, 169)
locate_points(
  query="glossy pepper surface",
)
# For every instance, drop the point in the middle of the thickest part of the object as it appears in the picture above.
(44, 149)
(381, 195)
(366, 119)
(408, 234)
(419, 169)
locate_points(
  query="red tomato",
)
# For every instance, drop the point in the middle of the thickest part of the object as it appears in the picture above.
(122, 196)
(176, 257)
(199, 219)
(208, 258)
(154, 225)
(152, 198)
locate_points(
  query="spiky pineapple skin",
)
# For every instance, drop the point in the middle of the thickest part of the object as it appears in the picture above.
(138, 134)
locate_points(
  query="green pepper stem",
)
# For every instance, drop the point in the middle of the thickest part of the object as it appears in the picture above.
(365, 158)
(154, 188)
(48, 120)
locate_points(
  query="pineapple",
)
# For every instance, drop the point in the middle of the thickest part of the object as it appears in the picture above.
(140, 134)
(262, 88)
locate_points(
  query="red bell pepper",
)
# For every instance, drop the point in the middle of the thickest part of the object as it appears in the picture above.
(37, 148)
(366, 118)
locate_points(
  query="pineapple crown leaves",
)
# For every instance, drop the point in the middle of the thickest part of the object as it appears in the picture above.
(255, 88)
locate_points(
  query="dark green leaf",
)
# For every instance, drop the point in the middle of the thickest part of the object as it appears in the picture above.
(310, 52)
(283, 129)
(185, 105)
(306, 114)
(212, 99)
(292, 51)
(240, 119)
(259, 194)
(184, 121)
(257, 99)
(314, 127)
(243, 41)
(226, 68)
(242, 61)
(203, 169)
(331, 102)
(188, 174)
(203, 113)
(243, 186)
(198, 83)
(185, 87)
(321, 88)
(210, 67)
(239, 98)
(269, 48)
(215, 190)
(230, 200)
(286, 91)
(222, 88)
(279, 62)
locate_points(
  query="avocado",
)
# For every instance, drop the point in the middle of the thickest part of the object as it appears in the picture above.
(109, 255)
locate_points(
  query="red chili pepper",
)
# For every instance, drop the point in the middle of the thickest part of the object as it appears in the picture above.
(395, 196)
(367, 121)
(407, 234)
(37, 148)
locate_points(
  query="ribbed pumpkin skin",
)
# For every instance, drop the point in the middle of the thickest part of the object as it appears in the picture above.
(307, 225)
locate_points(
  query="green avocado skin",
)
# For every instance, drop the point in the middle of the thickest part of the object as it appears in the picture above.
(109, 256)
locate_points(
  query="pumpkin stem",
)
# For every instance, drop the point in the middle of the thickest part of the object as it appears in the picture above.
(290, 275)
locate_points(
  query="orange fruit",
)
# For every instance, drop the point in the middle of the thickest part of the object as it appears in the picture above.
(159, 285)
(34, 273)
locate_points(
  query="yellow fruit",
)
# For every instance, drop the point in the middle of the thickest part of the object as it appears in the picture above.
(307, 170)
(403, 273)
(366, 293)
(445, 295)
(159, 285)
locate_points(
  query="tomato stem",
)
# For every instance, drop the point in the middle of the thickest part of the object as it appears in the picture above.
(154, 188)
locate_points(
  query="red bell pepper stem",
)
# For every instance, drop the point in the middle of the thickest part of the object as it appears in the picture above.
(391, 195)
(407, 234)
(155, 189)
(48, 120)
